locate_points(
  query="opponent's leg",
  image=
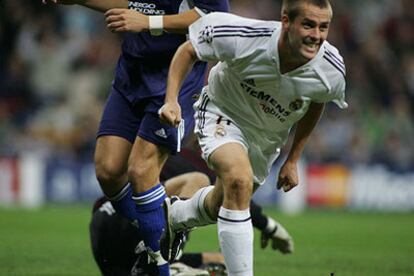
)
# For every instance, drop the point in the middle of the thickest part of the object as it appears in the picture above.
(145, 163)
(111, 159)
(271, 230)
(116, 135)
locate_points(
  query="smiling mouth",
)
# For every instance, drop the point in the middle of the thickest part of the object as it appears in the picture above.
(311, 46)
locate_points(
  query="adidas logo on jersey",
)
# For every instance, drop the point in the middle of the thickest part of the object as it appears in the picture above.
(161, 133)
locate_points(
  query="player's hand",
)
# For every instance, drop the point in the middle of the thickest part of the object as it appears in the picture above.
(170, 114)
(126, 20)
(288, 176)
(63, 2)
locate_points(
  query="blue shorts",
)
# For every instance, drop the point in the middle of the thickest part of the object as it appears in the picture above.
(128, 120)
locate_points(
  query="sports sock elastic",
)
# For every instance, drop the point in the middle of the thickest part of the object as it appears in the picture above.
(123, 203)
(235, 233)
(151, 221)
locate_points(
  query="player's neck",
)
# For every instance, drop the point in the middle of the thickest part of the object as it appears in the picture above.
(288, 61)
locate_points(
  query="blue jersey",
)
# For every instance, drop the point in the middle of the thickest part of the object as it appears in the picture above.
(142, 69)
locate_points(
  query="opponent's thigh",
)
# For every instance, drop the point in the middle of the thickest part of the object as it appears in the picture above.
(145, 164)
(111, 162)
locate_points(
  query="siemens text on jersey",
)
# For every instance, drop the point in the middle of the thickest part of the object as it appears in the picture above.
(277, 110)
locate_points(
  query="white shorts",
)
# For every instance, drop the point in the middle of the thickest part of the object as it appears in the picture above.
(214, 129)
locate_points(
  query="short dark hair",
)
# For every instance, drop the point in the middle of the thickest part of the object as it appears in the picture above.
(291, 8)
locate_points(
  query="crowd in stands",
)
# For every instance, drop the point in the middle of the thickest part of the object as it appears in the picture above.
(57, 63)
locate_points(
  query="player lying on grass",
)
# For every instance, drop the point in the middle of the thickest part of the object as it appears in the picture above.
(119, 251)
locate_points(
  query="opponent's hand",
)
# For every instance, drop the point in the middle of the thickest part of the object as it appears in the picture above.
(63, 2)
(126, 20)
(170, 114)
(288, 176)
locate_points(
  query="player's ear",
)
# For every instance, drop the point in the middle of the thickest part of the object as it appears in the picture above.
(285, 21)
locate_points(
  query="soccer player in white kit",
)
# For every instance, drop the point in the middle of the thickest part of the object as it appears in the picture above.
(270, 76)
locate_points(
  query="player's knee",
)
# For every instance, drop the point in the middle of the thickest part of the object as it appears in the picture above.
(239, 186)
(109, 173)
(138, 172)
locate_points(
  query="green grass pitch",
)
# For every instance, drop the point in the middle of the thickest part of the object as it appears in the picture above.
(54, 241)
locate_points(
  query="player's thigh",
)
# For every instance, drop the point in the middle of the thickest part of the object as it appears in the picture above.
(230, 159)
(145, 164)
(120, 118)
(111, 155)
(151, 149)
(234, 172)
(223, 144)
(117, 131)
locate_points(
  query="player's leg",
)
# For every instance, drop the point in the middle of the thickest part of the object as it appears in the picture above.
(145, 163)
(229, 200)
(116, 135)
(151, 149)
(271, 230)
(235, 230)
(185, 185)
(123, 119)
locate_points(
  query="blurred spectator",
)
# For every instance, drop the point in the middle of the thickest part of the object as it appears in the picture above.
(55, 67)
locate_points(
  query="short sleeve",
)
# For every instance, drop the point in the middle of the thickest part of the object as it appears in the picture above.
(333, 71)
(338, 94)
(209, 42)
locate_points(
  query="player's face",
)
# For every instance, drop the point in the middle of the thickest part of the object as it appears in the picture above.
(308, 31)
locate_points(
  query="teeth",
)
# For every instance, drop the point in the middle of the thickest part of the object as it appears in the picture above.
(313, 46)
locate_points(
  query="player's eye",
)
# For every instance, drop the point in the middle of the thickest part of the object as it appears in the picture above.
(307, 25)
(323, 28)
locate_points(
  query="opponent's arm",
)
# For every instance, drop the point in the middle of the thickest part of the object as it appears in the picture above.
(288, 175)
(181, 65)
(129, 20)
(98, 5)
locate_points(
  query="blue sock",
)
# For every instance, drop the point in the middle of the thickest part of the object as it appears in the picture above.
(123, 202)
(150, 216)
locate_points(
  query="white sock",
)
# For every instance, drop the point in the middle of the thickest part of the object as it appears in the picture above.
(191, 212)
(235, 231)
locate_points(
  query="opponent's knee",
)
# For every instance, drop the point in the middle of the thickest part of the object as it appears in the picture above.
(139, 172)
(109, 173)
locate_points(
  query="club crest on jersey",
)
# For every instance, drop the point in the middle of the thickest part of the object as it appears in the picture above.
(296, 105)
(220, 131)
(206, 35)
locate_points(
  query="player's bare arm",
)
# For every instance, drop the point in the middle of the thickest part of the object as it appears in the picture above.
(288, 175)
(129, 20)
(98, 5)
(181, 64)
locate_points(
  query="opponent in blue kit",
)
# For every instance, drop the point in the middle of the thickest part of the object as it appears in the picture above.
(132, 146)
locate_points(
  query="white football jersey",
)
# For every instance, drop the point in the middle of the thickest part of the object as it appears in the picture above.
(247, 84)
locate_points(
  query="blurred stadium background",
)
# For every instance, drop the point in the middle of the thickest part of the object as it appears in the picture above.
(56, 66)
